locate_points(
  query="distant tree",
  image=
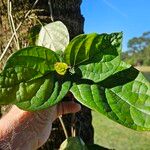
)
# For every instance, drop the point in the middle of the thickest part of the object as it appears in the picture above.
(138, 50)
(139, 43)
(146, 55)
(136, 44)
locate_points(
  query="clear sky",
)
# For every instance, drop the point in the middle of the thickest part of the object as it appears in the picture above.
(130, 16)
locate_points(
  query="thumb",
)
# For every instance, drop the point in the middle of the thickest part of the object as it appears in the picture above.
(67, 107)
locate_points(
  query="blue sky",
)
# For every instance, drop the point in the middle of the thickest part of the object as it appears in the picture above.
(130, 16)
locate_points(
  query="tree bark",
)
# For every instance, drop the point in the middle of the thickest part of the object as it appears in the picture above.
(67, 11)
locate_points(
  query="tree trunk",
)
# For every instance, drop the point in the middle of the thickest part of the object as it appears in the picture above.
(67, 11)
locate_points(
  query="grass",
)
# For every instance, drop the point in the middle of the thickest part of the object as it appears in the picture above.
(147, 75)
(115, 136)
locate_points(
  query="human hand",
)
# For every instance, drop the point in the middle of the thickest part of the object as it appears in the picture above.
(24, 130)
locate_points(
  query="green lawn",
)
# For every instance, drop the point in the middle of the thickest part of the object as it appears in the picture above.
(114, 136)
(147, 75)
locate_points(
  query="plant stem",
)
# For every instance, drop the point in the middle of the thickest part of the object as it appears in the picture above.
(73, 127)
(12, 25)
(51, 11)
(63, 126)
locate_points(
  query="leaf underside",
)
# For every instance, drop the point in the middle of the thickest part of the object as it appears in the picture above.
(54, 36)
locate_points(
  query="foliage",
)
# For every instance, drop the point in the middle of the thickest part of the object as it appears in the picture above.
(138, 50)
(73, 143)
(90, 68)
(53, 36)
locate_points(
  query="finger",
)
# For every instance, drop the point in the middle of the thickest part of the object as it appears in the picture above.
(67, 107)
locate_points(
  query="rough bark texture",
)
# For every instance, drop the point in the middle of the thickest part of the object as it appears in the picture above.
(68, 11)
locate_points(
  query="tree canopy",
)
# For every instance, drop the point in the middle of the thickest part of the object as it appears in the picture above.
(138, 50)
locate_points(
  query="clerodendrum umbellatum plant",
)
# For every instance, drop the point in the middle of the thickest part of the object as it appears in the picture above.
(89, 67)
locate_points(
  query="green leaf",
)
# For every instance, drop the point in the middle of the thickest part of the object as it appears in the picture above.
(30, 81)
(93, 96)
(54, 36)
(32, 94)
(123, 74)
(124, 97)
(47, 93)
(22, 67)
(39, 59)
(133, 102)
(93, 47)
(98, 71)
(89, 95)
(94, 56)
(14, 81)
(73, 143)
